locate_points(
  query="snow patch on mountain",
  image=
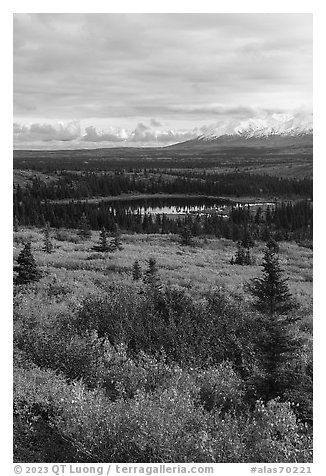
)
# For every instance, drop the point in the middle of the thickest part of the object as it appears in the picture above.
(261, 126)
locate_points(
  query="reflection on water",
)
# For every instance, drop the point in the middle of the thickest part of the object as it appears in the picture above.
(181, 206)
(174, 209)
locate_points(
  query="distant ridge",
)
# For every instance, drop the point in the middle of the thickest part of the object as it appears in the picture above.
(241, 140)
(276, 130)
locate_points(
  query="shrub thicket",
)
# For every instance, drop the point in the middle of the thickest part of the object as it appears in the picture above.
(65, 422)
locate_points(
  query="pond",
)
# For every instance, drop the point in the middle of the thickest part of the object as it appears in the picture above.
(180, 206)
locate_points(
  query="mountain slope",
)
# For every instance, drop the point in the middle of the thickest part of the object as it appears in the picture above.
(276, 130)
(239, 140)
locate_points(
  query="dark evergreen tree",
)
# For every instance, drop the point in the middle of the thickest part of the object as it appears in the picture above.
(103, 245)
(276, 339)
(268, 216)
(152, 277)
(84, 228)
(242, 256)
(16, 224)
(266, 234)
(48, 246)
(27, 269)
(248, 258)
(271, 291)
(136, 271)
(116, 240)
(272, 245)
(247, 240)
(186, 236)
(258, 216)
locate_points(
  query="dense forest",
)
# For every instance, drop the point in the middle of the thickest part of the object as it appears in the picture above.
(39, 202)
(84, 185)
(286, 221)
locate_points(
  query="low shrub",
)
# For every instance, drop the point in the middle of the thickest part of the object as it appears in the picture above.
(59, 421)
(221, 389)
(65, 235)
(274, 435)
(125, 377)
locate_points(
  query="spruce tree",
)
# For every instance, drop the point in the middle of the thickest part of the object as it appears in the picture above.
(103, 245)
(16, 224)
(152, 277)
(247, 240)
(84, 227)
(116, 240)
(48, 246)
(271, 290)
(154, 287)
(186, 236)
(136, 271)
(276, 341)
(242, 256)
(27, 269)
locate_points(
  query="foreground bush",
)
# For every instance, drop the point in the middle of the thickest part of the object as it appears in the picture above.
(116, 340)
(57, 421)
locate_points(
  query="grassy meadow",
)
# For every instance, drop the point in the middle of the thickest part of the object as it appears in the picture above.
(200, 267)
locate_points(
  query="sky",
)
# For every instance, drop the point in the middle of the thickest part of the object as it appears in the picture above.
(106, 80)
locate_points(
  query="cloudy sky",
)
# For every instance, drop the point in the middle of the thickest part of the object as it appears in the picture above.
(106, 80)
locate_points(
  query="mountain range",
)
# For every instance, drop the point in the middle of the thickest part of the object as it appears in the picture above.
(280, 130)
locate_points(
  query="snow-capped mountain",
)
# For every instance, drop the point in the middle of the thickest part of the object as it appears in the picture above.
(275, 124)
(270, 130)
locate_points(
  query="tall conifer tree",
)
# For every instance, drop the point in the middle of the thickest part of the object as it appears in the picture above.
(152, 277)
(103, 245)
(186, 236)
(136, 271)
(26, 268)
(116, 240)
(277, 342)
(84, 228)
(48, 246)
(271, 290)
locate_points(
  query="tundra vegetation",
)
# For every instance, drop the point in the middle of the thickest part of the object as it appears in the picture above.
(147, 340)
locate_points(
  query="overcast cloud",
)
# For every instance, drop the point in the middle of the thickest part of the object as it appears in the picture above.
(154, 78)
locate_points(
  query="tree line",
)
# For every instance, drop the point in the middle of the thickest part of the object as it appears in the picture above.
(285, 221)
(90, 184)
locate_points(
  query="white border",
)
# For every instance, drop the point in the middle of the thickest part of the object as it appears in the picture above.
(59, 6)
